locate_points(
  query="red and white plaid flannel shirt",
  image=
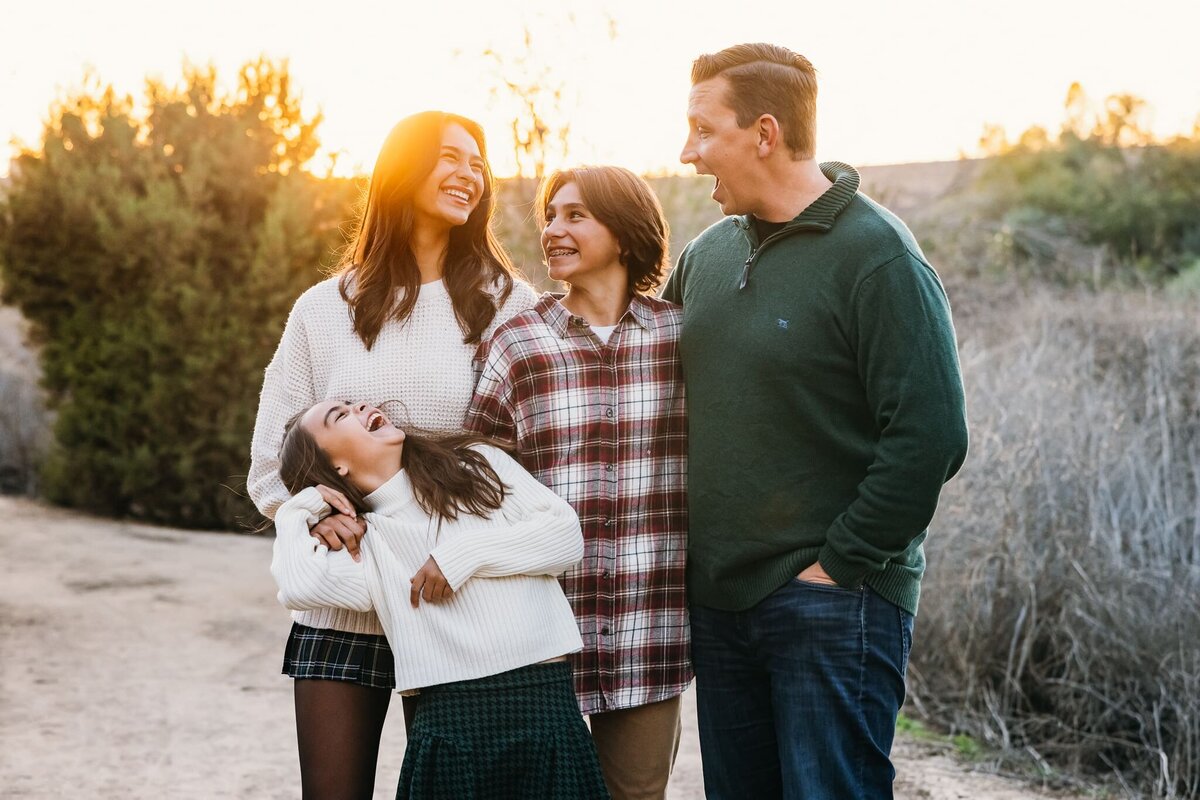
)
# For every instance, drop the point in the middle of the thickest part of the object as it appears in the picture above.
(604, 426)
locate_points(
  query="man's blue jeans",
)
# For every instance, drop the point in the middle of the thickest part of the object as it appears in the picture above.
(798, 696)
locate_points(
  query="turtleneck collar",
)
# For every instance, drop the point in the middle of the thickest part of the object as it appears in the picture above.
(395, 493)
(822, 212)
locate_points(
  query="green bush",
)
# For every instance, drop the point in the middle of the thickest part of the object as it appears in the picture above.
(1138, 203)
(1187, 282)
(156, 253)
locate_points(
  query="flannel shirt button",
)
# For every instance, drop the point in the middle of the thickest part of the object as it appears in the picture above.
(609, 522)
(608, 467)
(603, 573)
(608, 412)
(604, 631)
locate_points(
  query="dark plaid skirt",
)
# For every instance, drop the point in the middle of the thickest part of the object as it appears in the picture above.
(330, 655)
(516, 735)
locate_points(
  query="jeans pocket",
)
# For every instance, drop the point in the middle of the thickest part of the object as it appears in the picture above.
(824, 587)
(906, 628)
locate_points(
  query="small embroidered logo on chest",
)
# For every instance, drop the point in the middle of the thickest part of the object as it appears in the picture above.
(782, 323)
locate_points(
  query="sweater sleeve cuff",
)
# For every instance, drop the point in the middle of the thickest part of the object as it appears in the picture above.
(456, 560)
(847, 574)
(308, 504)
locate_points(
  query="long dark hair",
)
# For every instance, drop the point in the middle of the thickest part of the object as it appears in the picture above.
(447, 475)
(379, 260)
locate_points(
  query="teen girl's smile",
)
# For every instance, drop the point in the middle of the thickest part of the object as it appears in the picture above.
(453, 188)
(576, 244)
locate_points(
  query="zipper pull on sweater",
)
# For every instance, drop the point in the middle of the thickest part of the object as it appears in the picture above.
(745, 273)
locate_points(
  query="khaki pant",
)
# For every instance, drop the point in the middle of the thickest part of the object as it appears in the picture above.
(637, 748)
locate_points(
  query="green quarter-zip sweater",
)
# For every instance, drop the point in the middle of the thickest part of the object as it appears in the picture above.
(825, 402)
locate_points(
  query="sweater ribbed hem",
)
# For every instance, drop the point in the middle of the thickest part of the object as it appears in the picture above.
(419, 672)
(847, 574)
(898, 587)
(895, 583)
(340, 619)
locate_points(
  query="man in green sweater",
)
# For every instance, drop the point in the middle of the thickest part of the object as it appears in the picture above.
(825, 412)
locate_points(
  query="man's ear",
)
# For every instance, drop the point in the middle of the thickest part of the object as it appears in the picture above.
(769, 135)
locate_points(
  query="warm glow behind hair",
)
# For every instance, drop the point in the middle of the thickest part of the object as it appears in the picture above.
(625, 204)
(768, 79)
(379, 260)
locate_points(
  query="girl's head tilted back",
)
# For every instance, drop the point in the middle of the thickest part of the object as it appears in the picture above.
(432, 172)
(355, 449)
(626, 205)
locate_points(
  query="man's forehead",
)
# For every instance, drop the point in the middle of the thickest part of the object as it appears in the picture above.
(707, 95)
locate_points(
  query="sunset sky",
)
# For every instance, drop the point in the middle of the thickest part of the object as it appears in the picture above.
(911, 81)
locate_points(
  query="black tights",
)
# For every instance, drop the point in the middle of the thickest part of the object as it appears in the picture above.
(338, 725)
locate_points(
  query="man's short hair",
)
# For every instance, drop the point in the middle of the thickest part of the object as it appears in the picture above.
(768, 79)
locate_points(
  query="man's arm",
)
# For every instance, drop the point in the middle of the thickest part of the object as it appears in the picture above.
(908, 363)
(672, 290)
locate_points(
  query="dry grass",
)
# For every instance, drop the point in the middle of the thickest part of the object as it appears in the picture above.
(1061, 613)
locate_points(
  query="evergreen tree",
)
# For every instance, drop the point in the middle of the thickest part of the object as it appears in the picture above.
(156, 253)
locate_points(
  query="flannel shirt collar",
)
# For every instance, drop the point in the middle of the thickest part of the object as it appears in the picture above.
(560, 320)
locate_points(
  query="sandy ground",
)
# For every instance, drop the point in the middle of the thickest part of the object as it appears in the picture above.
(143, 662)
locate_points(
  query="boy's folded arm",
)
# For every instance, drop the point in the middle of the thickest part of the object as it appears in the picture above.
(308, 574)
(540, 534)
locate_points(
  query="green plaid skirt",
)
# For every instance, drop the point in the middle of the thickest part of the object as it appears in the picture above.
(515, 735)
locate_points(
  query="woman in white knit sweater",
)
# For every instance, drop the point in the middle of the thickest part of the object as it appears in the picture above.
(459, 564)
(421, 284)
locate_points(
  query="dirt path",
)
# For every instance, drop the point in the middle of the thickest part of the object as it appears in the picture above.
(142, 662)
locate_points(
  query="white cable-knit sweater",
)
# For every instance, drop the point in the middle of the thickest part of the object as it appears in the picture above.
(507, 610)
(422, 363)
